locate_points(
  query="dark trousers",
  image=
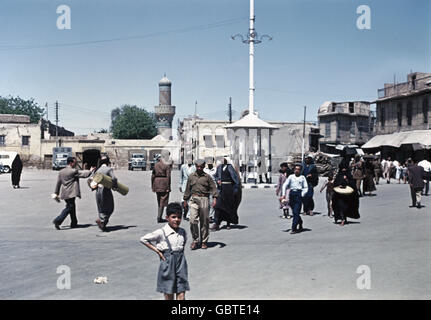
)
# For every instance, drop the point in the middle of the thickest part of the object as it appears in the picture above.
(295, 202)
(308, 199)
(70, 209)
(427, 186)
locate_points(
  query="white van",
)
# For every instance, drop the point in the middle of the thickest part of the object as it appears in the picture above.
(6, 159)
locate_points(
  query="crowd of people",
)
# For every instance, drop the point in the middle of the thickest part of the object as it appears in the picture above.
(212, 194)
(355, 178)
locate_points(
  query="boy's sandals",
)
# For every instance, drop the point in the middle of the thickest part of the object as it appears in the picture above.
(194, 245)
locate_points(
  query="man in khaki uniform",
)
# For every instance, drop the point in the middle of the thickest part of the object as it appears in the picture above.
(161, 185)
(199, 187)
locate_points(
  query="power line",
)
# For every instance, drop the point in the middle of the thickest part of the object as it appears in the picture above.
(150, 35)
(300, 92)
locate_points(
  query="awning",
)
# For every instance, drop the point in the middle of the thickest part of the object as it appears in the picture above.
(420, 139)
(250, 121)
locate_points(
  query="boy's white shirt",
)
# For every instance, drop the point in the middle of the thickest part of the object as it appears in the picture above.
(177, 239)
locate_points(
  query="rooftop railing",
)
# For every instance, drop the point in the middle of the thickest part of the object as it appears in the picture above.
(404, 87)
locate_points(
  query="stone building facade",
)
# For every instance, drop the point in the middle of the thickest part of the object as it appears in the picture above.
(405, 106)
(345, 123)
(35, 142)
(209, 139)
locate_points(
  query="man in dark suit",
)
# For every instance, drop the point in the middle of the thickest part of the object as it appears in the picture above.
(416, 180)
(67, 189)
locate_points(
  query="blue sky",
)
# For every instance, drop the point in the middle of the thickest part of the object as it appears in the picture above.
(317, 54)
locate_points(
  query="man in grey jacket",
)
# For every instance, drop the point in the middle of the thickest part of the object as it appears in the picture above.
(67, 189)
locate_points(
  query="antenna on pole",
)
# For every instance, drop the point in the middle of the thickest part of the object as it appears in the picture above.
(196, 107)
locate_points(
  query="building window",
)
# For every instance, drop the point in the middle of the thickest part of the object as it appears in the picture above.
(333, 107)
(352, 129)
(2, 140)
(351, 107)
(400, 114)
(208, 141)
(409, 114)
(328, 130)
(382, 117)
(220, 141)
(338, 129)
(25, 140)
(424, 111)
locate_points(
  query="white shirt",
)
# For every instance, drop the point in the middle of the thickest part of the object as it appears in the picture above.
(425, 164)
(295, 183)
(177, 239)
(211, 172)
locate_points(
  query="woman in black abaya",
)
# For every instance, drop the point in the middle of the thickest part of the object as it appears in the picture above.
(16, 171)
(345, 202)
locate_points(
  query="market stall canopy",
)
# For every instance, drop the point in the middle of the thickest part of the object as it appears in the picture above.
(420, 139)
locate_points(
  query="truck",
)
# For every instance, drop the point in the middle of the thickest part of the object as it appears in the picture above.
(59, 157)
(138, 160)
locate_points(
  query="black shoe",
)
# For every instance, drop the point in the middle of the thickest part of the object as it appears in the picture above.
(300, 228)
(100, 224)
(419, 206)
(294, 232)
(73, 226)
(57, 226)
(412, 206)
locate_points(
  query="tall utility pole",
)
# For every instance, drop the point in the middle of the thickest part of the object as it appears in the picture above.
(56, 123)
(303, 135)
(230, 110)
(252, 38)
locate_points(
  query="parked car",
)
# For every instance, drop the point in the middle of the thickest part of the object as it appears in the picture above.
(59, 157)
(6, 159)
(138, 160)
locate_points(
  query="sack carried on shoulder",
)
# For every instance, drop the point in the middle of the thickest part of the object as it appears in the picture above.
(106, 181)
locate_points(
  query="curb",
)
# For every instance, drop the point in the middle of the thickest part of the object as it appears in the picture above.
(259, 186)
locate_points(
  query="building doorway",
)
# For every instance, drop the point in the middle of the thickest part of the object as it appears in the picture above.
(90, 158)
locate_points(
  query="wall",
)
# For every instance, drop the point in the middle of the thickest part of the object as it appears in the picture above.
(390, 108)
(13, 141)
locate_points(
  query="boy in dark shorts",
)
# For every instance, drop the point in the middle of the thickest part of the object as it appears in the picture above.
(169, 246)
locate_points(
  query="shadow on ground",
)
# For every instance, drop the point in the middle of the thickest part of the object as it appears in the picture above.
(119, 227)
(212, 244)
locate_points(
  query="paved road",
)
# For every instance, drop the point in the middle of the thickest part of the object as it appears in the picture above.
(256, 260)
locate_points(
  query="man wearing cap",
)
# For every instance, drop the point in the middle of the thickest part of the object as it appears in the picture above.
(161, 185)
(199, 187)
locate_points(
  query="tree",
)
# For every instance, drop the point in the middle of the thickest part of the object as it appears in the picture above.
(131, 122)
(11, 105)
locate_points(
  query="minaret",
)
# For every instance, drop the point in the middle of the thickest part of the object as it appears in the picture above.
(164, 111)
